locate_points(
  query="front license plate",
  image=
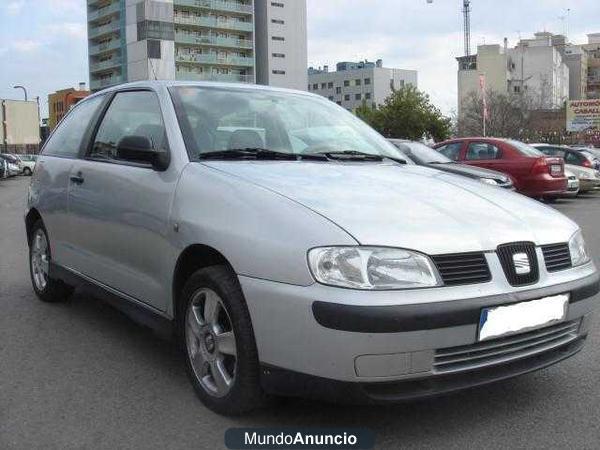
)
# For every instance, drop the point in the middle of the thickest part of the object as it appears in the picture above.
(521, 317)
(555, 169)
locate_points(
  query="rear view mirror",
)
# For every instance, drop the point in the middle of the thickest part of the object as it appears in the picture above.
(140, 149)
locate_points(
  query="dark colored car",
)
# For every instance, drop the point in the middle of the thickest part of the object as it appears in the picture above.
(422, 155)
(571, 156)
(534, 174)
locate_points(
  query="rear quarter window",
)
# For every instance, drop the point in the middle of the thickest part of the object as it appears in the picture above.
(66, 139)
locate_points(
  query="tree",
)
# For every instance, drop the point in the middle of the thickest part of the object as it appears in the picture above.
(508, 115)
(407, 113)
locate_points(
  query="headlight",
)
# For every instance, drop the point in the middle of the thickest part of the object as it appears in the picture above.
(578, 250)
(489, 181)
(374, 268)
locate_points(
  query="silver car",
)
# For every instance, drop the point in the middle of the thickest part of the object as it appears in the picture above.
(292, 252)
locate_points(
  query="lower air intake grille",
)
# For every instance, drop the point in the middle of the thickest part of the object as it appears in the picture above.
(519, 262)
(462, 268)
(557, 257)
(504, 350)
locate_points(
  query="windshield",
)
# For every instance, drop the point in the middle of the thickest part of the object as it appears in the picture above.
(421, 154)
(525, 149)
(223, 120)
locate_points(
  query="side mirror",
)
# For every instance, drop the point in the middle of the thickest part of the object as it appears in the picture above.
(139, 149)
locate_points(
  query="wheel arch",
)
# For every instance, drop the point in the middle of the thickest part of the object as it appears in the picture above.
(30, 219)
(191, 259)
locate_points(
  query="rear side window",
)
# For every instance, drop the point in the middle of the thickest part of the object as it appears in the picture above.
(552, 151)
(451, 151)
(66, 139)
(134, 113)
(573, 158)
(482, 150)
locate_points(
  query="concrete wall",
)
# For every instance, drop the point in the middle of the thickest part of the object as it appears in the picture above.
(20, 122)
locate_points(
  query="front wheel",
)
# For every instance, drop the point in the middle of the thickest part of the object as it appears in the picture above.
(27, 171)
(216, 335)
(47, 289)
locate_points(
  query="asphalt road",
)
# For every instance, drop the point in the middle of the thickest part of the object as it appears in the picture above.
(82, 375)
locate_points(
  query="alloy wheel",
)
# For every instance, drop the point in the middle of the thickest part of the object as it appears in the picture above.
(40, 259)
(210, 342)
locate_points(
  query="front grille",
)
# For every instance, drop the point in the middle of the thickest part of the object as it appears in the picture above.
(503, 350)
(506, 254)
(557, 257)
(462, 268)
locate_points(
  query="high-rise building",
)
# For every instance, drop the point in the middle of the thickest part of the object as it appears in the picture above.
(281, 53)
(214, 40)
(592, 49)
(356, 82)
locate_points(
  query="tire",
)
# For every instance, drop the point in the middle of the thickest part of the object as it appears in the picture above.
(47, 289)
(27, 171)
(223, 368)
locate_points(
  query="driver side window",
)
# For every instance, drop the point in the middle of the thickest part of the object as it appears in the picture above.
(135, 113)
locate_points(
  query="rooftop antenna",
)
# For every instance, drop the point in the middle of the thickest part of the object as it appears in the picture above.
(467, 26)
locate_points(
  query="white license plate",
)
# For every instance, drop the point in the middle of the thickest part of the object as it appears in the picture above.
(555, 169)
(522, 317)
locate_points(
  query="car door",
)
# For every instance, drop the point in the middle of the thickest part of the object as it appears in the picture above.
(484, 154)
(48, 191)
(119, 210)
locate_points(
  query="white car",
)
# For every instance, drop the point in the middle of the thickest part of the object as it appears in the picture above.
(573, 185)
(589, 179)
(28, 163)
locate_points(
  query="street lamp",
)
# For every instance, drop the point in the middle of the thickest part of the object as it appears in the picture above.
(24, 90)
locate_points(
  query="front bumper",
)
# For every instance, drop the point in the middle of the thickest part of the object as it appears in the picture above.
(392, 339)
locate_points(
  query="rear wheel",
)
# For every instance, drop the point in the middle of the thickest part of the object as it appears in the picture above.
(46, 288)
(216, 335)
(27, 171)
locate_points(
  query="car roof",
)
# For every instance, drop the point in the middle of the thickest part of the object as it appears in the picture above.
(158, 84)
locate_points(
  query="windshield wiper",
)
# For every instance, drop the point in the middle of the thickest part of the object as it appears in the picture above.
(256, 153)
(354, 155)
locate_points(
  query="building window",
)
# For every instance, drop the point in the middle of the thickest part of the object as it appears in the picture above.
(277, 21)
(315, 86)
(309, 86)
(278, 72)
(357, 96)
(368, 95)
(278, 55)
(323, 85)
(153, 49)
(339, 103)
(338, 90)
(278, 38)
(347, 97)
(346, 83)
(154, 29)
(367, 81)
(357, 82)
(277, 4)
(330, 97)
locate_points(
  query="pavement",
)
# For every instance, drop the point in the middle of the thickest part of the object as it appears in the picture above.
(82, 375)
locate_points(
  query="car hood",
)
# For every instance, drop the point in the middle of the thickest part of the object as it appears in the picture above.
(408, 206)
(470, 171)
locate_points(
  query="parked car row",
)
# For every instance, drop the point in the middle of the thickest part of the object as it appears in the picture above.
(541, 171)
(12, 165)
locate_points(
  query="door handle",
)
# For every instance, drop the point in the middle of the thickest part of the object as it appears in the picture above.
(77, 179)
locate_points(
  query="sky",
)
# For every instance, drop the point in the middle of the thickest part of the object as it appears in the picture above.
(43, 43)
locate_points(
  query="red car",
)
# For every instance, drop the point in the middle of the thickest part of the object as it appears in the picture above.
(533, 173)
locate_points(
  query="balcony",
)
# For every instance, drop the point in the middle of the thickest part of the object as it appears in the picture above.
(186, 75)
(96, 14)
(212, 22)
(186, 38)
(113, 44)
(217, 5)
(212, 58)
(111, 27)
(105, 65)
(105, 82)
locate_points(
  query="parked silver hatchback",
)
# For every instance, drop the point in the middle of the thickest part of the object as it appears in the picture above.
(293, 253)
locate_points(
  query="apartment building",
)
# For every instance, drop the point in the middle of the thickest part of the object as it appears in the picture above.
(356, 82)
(281, 49)
(592, 49)
(61, 101)
(211, 40)
(535, 67)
